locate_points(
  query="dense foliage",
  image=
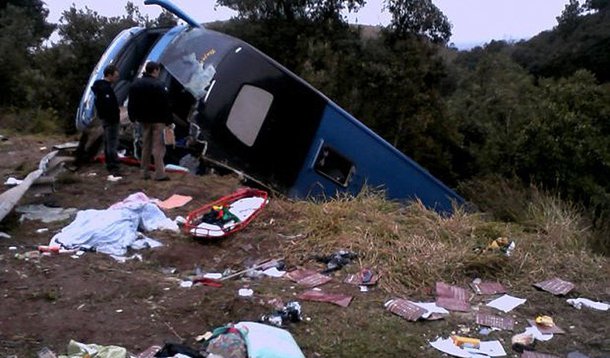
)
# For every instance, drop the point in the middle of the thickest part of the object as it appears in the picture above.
(537, 110)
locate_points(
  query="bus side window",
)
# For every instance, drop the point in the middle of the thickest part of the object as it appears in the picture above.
(334, 166)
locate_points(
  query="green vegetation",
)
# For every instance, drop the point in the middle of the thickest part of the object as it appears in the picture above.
(536, 111)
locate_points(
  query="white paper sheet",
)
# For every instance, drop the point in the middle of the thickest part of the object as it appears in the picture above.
(431, 307)
(506, 303)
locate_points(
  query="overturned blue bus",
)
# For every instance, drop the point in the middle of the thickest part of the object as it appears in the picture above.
(239, 107)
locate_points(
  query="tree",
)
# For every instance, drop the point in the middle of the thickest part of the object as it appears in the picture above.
(22, 30)
(418, 18)
(569, 17)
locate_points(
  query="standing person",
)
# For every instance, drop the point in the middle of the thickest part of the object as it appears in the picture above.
(107, 108)
(149, 105)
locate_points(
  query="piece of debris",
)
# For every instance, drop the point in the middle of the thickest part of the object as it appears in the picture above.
(487, 287)
(338, 299)
(308, 278)
(494, 321)
(245, 292)
(337, 260)
(291, 312)
(535, 332)
(506, 303)
(45, 352)
(83, 350)
(365, 277)
(405, 309)
(485, 349)
(4, 235)
(44, 213)
(546, 326)
(174, 201)
(555, 286)
(453, 298)
(580, 302)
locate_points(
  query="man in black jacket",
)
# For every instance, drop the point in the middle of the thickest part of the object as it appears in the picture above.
(107, 108)
(149, 105)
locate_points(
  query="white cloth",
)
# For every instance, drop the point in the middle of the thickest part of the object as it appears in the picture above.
(113, 230)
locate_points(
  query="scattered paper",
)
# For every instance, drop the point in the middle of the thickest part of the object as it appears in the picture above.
(112, 178)
(274, 272)
(174, 201)
(452, 297)
(447, 346)
(245, 292)
(487, 287)
(555, 286)
(212, 276)
(338, 299)
(494, 321)
(4, 235)
(554, 329)
(534, 331)
(405, 309)
(434, 310)
(43, 230)
(580, 302)
(186, 284)
(506, 303)
(489, 348)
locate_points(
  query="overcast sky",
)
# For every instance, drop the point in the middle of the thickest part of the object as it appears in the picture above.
(474, 21)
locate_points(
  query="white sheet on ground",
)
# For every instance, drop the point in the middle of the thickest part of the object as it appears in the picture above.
(113, 230)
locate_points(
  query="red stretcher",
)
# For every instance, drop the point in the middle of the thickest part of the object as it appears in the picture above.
(226, 215)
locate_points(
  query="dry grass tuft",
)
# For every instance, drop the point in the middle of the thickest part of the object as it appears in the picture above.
(413, 247)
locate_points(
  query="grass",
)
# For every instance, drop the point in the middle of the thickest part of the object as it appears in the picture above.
(413, 247)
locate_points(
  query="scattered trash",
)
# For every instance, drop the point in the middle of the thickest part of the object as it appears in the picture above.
(487, 287)
(45, 352)
(547, 327)
(338, 299)
(485, 349)
(578, 303)
(452, 298)
(4, 235)
(506, 303)
(291, 312)
(227, 341)
(337, 260)
(466, 342)
(213, 276)
(42, 230)
(522, 341)
(186, 284)
(112, 178)
(494, 321)
(308, 278)
(52, 249)
(535, 332)
(44, 213)
(555, 286)
(365, 277)
(174, 201)
(13, 181)
(501, 244)
(405, 309)
(245, 292)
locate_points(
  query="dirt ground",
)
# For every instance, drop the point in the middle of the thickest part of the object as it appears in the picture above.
(48, 301)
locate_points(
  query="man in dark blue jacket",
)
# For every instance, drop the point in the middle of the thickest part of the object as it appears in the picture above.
(149, 105)
(107, 108)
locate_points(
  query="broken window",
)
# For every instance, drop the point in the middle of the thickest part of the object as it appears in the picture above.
(248, 113)
(334, 166)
